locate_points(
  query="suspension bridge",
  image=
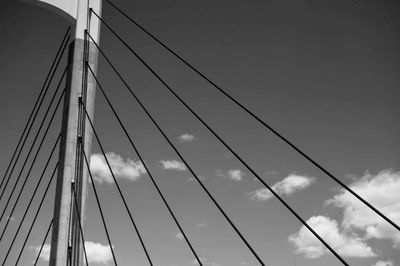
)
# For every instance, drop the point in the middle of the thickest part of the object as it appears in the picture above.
(65, 107)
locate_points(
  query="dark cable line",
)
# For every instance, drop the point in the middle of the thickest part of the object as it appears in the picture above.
(34, 117)
(36, 104)
(190, 169)
(270, 128)
(32, 197)
(148, 171)
(98, 204)
(43, 243)
(117, 185)
(36, 214)
(37, 133)
(80, 224)
(37, 151)
(31, 167)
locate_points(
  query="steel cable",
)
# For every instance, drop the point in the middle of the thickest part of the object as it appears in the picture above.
(60, 48)
(258, 119)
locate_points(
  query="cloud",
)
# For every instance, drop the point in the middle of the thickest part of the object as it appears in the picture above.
(186, 137)
(262, 194)
(359, 223)
(96, 252)
(384, 263)
(201, 225)
(123, 169)
(173, 165)
(292, 183)
(44, 254)
(347, 245)
(236, 175)
(287, 186)
(271, 173)
(12, 218)
(179, 236)
(220, 173)
(382, 192)
(233, 174)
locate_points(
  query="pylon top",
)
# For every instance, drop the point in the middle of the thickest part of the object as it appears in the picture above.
(75, 11)
(66, 8)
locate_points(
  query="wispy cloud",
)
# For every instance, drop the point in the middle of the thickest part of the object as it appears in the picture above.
(44, 254)
(262, 194)
(235, 174)
(271, 173)
(186, 137)
(201, 225)
(122, 168)
(173, 165)
(232, 174)
(12, 218)
(287, 186)
(202, 178)
(346, 245)
(96, 252)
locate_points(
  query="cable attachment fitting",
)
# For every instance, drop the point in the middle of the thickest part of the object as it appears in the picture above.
(80, 99)
(70, 252)
(72, 184)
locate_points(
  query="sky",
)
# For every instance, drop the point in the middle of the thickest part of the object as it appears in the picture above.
(323, 73)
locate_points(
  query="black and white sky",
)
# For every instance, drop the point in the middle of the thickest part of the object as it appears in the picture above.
(323, 73)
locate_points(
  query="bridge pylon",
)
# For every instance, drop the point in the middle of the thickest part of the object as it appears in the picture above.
(66, 241)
